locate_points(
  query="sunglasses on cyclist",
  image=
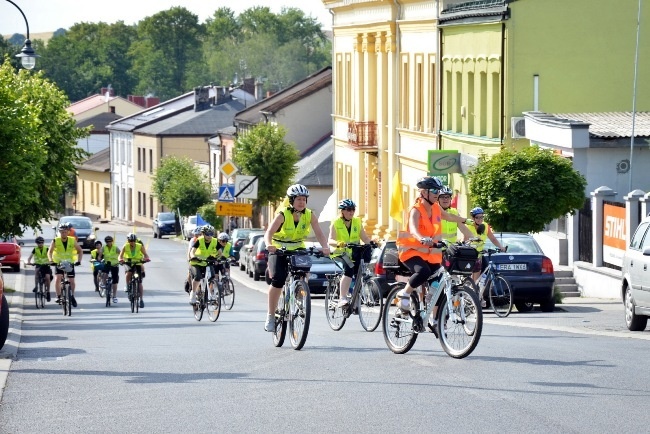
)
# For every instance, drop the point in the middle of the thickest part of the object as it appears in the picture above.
(349, 209)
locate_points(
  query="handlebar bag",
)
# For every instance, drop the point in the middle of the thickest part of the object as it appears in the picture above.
(300, 262)
(460, 259)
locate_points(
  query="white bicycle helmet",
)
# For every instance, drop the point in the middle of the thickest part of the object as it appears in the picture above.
(223, 236)
(297, 190)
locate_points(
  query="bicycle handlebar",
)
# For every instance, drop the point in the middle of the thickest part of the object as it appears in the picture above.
(309, 251)
(132, 262)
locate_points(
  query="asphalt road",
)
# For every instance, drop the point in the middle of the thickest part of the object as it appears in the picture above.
(107, 370)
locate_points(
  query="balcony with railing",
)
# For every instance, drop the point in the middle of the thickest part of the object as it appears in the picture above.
(362, 136)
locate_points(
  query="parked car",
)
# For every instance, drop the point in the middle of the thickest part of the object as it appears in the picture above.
(259, 258)
(636, 278)
(383, 265)
(238, 237)
(84, 231)
(319, 268)
(528, 271)
(4, 312)
(164, 224)
(246, 251)
(189, 226)
(10, 250)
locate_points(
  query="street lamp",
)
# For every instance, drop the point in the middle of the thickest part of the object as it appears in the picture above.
(27, 54)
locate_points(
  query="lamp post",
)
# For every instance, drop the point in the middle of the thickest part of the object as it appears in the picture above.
(27, 54)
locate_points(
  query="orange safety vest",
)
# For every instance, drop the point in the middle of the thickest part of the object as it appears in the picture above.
(408, 246)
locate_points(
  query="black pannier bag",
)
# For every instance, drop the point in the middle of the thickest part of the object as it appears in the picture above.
(460, 259)
(300, 262)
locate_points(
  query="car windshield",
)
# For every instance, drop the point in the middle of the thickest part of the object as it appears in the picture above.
(166, 216)
(80, 223)
(525, 244)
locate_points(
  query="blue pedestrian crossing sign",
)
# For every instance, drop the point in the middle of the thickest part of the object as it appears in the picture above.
(226, 193)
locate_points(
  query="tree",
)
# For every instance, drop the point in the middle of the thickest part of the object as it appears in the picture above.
(179, 185)
(209, 214)
(522, 191)
(262, 152)
(38, 144)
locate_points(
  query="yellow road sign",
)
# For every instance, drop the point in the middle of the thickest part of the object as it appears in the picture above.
(235, 209)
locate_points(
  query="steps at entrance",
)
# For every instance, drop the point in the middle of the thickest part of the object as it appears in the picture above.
(565, 282)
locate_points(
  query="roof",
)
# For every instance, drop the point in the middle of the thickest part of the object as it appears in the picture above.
(147, 116)
(475, 10)
(190, 122)
(313, 83)
(612, 125)
(316, 167)
(99, 121)
(92, 102)
(99, 162)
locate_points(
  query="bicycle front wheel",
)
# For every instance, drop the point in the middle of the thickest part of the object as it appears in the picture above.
(199, 307)
(109, 292)
(280, 331)
(334, 312)
(370, 305)
(227, 293)
(40, 295)
(131, 291)
(101, 286)
(67, 305)
(214, 304)
(500, 296)
(459, 329)
(299, 314)
(397, 326)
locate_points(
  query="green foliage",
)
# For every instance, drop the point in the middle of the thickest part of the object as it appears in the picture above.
(262, 152)
(38, 144)
(557, 295)
(209, 214)
(522, 191)
(179, 185)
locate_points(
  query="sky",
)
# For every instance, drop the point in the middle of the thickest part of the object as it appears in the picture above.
(50, 15)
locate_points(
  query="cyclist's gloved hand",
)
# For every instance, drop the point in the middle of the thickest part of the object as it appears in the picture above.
(427, 241)
(373, 244)
(341, 244)
(77, 263)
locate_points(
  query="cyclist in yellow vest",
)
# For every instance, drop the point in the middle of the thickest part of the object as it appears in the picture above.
(205, 247)
(289, 229)
(477, 219)
(224, 251)
(135, 251)
(344, 230)
(39, 253)
(65, 248)
(450, 228)
(110, 255)
(417, 246)
(95, 257)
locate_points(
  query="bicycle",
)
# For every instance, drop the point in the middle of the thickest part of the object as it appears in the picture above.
(366, 296)
(66, 289)
(133, 286)
(294, 304)
(459, 316)
(41, 294)
(226, 286)
(105, 281)
(209, 294)
(496, 286)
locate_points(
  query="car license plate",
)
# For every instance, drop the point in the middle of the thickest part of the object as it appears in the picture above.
(513, 267)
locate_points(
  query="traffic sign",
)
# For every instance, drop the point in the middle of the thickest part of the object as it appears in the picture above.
(226, 193)
(235, 209)
(246, 187)
(228, 169)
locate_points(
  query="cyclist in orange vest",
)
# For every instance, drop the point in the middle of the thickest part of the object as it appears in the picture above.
(418, 245)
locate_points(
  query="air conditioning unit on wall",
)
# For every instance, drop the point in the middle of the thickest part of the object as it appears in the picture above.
(518, 127)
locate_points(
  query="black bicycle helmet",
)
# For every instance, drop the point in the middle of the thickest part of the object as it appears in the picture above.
(108, 239)
(347, 203)
(207, 230)
(429, 183)
(39, 240)
(132, 237)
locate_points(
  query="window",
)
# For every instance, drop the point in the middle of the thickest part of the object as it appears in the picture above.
(469, 114)
(150, 206)
(638, 237)
(92, 194)
(482, 131)
(139, 160)
(151, 161)
(139, 203)
(144, 204)
(431, 98)
(404, 93)
(418, 109)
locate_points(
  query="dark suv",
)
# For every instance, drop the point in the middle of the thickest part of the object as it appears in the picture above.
(383, 265)
(164, 224)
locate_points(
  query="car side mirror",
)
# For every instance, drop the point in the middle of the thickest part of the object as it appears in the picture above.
(97, 228)
(646, 251)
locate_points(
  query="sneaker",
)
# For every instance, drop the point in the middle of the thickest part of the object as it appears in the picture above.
(73, 301)
(483, 303)
(187, 286)
(433, 326)
(269, 325)
(404, 302)
(114, 300)
(96, 289)
(141, 304)
(192, 297)
(34, 290)
(344, 301)
(48, 296)
(58, 299)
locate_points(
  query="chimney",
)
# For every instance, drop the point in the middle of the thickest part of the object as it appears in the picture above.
(201, 98)
(259, 90)
(152, 101)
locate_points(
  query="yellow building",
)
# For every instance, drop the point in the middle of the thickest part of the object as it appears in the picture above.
(385, 56)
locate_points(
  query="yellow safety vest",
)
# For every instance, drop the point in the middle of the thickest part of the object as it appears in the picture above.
(135, 254)
(68, 253)
(203, 251)
(450, 229)
(342, 234)
(93, 256)
(472, 228)
(226, 251)
(40, 256)
(110, 255)
(290, 235)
